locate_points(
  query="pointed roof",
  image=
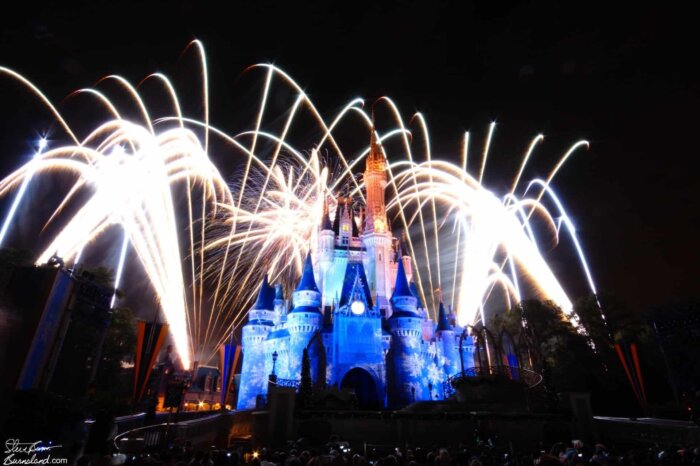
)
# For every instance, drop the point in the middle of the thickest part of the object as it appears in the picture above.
(414, 291)
(442, 324)
(326, 221)
(355, 230)
(326, 225)
(307, 282)
(401, 288)
(266, 297)
(375, 159)
(336, 221)
(354, 283)
(403, 249)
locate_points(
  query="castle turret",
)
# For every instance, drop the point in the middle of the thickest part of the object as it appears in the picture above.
(375, 184)
(377, 235)
(403, 300)
(325, 251)
(305, 319)
(405, 257)
(280, 308)
(254, 372)
(345, 225)
(405, 365)
(307, 293)
(447, 346)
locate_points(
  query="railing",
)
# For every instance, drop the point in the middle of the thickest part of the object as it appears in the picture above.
(530, 378)
(136, 439)
(133, 421)
(288, 383)
(201, 430)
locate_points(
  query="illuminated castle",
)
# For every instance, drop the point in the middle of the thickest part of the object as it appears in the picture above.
(356, 312)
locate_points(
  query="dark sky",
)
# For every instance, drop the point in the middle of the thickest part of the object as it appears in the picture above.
(621, 76)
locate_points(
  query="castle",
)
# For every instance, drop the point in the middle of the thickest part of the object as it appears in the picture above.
(357, 313)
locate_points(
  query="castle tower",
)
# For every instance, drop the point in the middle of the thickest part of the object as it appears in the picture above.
(375, 184)
(405, 366)
(305, 319)
(447, 346)
(280, 308)
(254, 371)
(377, 234)
(345, 224)
(325, 251)
(405, 257)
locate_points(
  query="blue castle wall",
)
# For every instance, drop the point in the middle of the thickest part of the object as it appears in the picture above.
(390, 361)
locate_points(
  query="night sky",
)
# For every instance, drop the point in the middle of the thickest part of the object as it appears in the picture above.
(621, 76)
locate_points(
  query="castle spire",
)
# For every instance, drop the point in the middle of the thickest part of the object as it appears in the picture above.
(375, 184)
(375, 159)
(266, 297)
(326, 222)
(308, 282)
(401, 289)
(442, 324)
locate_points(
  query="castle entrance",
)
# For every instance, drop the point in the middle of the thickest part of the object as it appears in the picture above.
(365, 389)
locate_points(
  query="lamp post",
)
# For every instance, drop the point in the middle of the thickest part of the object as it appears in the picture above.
(272, 378)
(274, 362)
(461, 349)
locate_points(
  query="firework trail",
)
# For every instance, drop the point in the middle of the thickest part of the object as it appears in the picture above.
(464, 240)
(129, 170)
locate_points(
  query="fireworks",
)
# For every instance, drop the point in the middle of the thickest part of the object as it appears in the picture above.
(206, 273)
(129, 170)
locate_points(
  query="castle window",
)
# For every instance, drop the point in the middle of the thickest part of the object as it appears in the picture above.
(346, 228)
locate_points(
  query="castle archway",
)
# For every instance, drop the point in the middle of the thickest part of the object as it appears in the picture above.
(362, 383)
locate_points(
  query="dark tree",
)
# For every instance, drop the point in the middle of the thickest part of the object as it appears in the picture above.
(113, 381)
(560, 349)
(676, 330)
(11, 258)
(305, 386)
(609, 322)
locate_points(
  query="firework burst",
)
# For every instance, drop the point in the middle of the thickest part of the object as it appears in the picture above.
(464, 240)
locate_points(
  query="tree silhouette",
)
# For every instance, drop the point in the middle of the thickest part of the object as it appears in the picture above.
(305, 386)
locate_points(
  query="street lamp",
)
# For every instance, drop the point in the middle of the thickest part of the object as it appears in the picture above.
(274, 362)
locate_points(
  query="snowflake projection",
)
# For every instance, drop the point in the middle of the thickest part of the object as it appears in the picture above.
(412, 341)
(258, 376)
(294, 366)
(247, 402)
(282, 368)
(424, 382)
(253, 383)
(413, 365)
(435, 375)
